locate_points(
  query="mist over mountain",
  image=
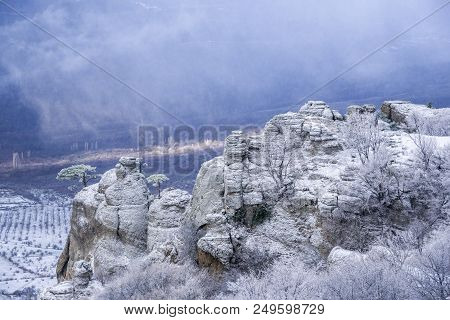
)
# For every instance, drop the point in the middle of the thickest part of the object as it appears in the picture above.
(206, 62)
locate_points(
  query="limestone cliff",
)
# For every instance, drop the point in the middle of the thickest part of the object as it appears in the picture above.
(115, 222)
(295, 189)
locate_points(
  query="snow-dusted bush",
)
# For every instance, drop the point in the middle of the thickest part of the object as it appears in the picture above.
(435, 126)
(391, 270)
(368, 279)
(374, 278)
(285, 279)
(379, 182)
(396, 196)
(158, 281)
(429, 270)
(254, 260)
(363, 134)
(429, 193)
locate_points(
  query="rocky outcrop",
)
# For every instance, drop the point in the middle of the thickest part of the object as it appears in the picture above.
(357, 109)
(210, 188)
(167, 216)
(114, 223)
(268, 190)
(82, 285)
(288, 191)
(320, 109)
(215, 249)
(339, 256)
(408, 115)
(109, 223)
(82, 233)
(398, 111)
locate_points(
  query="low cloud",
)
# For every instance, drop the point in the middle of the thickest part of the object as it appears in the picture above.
(213, 61)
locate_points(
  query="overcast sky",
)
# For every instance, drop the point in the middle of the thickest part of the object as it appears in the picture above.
(212, 61)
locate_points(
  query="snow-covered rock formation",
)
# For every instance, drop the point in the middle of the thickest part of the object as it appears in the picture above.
(300, 188)
(406, 114)
(109, 222)
(296, 189)
(166, 218)
(81, 286)
(272, 190)
(113, 223)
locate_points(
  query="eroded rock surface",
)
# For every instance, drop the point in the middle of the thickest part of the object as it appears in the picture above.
(113, 223)
(269, 188)
(109, 223)
(82, 285)
(409, 115)
(287, 191)
(167, 216)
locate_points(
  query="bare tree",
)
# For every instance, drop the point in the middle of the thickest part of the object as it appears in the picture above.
(434, 125)
(382, 189)
(426, 145)
(362, 133)
(430, 274)
(280, 155)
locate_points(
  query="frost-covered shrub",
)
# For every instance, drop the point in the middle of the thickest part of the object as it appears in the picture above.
(157, 281)
(429, 271)
(363, 134)
(392, 271)
(374, 279)
(435, 126)
(254, 260)
(395, 197)
(285, 279)
(379, 183)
